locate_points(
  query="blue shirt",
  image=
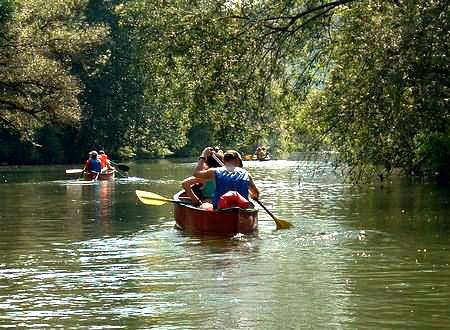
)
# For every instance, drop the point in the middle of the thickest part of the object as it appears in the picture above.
(94, 165)
(226, 181)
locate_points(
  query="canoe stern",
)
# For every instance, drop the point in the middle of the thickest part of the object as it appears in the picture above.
(218, 222)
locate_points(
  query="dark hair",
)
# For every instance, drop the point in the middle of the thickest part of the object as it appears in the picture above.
(211, 162)
(232, 155)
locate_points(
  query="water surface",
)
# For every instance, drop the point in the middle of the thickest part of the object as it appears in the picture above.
(80, 255)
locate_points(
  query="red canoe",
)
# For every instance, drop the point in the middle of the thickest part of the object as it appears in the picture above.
(218, 222)
(102, 176)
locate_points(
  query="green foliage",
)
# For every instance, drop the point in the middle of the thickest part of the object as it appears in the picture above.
(387, 87)
(52, 149)
(198, 76)
(434, 155)
(152, 78)
(38, 43)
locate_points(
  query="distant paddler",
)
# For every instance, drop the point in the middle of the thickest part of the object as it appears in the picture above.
(93, 166)
(105, 162)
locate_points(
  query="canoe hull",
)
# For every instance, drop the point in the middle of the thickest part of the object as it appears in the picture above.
(101, 176)
(227, 222)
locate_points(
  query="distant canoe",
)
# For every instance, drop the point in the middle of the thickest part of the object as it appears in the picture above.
(250, 157)
(254, 158)
(226, 222)
(102, 176)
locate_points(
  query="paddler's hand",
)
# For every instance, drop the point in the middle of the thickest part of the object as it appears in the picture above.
(254, 194)
(206, 153)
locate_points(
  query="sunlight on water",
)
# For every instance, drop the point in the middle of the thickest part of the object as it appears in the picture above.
(90, 255)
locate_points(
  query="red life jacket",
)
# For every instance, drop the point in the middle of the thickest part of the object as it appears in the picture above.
(232, 199)
(103, 159)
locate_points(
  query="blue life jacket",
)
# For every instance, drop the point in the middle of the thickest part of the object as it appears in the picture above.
(94, 165)
(226, 181)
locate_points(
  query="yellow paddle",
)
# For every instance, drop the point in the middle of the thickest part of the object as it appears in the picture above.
(149, 198)
(281, 224)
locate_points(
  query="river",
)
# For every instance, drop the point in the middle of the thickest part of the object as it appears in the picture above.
(91, 256)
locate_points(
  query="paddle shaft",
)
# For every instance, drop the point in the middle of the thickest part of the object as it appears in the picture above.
(122, 167)
(281, 224)
(165, 200)
(264, 207)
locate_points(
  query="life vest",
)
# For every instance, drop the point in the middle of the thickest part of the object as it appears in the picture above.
(103, 159)
(93, 165)
(232, 199)
(226, 181)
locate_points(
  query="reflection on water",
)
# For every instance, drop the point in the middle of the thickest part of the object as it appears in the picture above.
(89, 255)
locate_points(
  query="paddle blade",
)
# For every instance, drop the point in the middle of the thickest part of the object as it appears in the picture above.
(123, 167)
(74, 171)
(282, 224)
(150, 198)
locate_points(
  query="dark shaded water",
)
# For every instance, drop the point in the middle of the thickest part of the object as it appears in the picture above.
(75, 255)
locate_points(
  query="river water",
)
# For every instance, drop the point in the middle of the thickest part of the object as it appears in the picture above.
(78, 255)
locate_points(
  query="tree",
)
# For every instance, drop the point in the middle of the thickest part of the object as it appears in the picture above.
(38, 42)
(386, 97)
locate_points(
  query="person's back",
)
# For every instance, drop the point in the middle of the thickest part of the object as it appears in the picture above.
(103, 158)
(232, 181)
(208, 189)
(104, 161)
(226, 180)
(93, 164)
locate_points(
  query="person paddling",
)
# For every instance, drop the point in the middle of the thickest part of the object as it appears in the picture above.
(104, 161)
(93, 165)
(199, 189)
(233, 183)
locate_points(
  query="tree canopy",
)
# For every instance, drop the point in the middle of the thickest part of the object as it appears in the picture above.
(369, 79)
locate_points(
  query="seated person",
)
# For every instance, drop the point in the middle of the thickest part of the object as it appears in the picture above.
(233, 183)
(204, 189)
(92, 165)
(104, 161)
(261, 153)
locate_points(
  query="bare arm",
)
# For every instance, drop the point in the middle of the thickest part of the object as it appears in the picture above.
(187, 185)
(254, 191)
(200, 172)
(109, 166)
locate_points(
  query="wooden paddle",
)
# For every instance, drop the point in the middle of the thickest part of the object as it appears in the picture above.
(150, 198)
(120, 173)
(74, 171)
(281, 224)
(96, 177)
(121, 167)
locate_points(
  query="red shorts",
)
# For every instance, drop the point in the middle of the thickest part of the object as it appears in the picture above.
(232, 199)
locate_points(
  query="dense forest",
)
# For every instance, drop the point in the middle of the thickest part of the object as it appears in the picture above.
(368, 79)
